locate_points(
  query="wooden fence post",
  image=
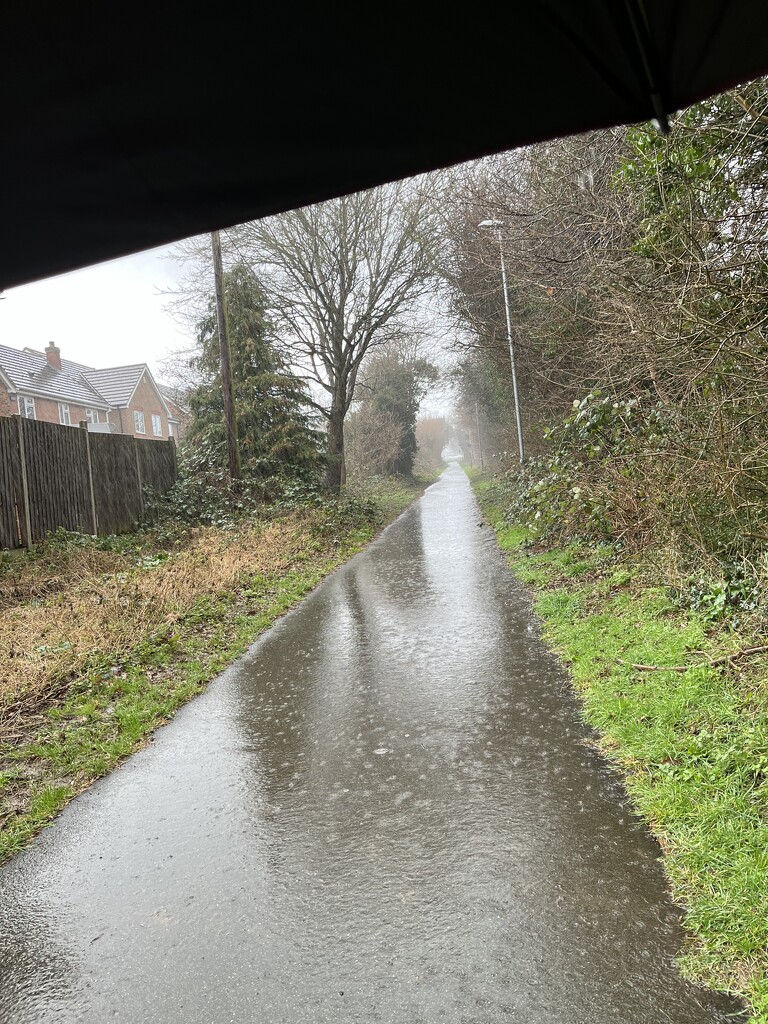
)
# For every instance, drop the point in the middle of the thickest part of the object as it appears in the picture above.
(24, 483)
(94, 519)
(139, 480)
(172, 443)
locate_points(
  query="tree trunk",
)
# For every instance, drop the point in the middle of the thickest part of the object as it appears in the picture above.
(335, 474)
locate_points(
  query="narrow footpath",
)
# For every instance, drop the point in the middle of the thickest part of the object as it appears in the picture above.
(385, 812)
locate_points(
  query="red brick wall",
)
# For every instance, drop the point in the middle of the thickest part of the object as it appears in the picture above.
(116, 421)
(7, 407)
(46, 410)
(148, 401)
(183, 418)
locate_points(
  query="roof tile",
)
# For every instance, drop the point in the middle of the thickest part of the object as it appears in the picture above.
(116, 383)
(31, 373)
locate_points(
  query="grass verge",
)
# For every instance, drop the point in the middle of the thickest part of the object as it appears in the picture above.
(692, 745)
(102, 641)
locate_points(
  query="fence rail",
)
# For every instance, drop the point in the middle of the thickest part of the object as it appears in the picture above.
(53, 476)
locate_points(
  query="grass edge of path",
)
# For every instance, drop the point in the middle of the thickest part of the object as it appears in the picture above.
(692, 746)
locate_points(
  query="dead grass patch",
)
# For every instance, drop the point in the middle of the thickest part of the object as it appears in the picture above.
(58, 614)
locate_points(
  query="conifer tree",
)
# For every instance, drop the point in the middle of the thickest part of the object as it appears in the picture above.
(276, 435)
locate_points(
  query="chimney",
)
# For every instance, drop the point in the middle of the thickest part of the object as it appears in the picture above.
(53, 356)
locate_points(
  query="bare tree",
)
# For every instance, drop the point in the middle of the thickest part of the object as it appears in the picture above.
(343, 276)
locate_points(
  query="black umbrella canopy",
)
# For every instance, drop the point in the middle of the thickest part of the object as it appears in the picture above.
(128, 126)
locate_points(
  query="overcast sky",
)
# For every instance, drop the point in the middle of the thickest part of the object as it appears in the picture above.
(107, 315)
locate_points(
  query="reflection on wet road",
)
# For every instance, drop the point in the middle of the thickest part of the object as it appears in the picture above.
(385, 812)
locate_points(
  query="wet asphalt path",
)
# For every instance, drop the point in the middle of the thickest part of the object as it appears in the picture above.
(384, 813)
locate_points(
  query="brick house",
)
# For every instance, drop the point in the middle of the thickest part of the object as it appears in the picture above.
(178, 407)
(119, 399)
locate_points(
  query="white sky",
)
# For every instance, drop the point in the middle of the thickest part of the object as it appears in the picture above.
(107, 315)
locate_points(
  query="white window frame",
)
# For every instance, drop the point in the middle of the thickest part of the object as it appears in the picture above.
(157, 425)
(92, 415)
(64, 417)
(138, 422)
(27, 407)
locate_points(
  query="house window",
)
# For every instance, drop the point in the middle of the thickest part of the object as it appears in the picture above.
(138, 422)
(157, 426)
(64, 415)
(27, 407)
(92, 415)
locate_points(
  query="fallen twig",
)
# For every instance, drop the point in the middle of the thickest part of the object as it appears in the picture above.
(709, 663)
(655, 668)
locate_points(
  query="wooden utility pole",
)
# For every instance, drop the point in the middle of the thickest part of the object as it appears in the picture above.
(233, 454)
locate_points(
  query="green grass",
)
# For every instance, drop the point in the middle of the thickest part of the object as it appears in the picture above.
(693, 746)
(112, 709)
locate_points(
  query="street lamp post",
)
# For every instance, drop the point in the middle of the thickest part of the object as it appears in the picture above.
(498, 224)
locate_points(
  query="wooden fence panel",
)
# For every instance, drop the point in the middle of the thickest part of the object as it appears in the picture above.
(71, 476)
(157, 464)
(57, 478)
(116, 487)
(11, 501)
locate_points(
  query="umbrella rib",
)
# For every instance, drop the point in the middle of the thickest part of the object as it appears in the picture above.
(641, 30)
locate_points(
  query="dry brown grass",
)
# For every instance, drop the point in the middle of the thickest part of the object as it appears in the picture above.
(59, 610)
